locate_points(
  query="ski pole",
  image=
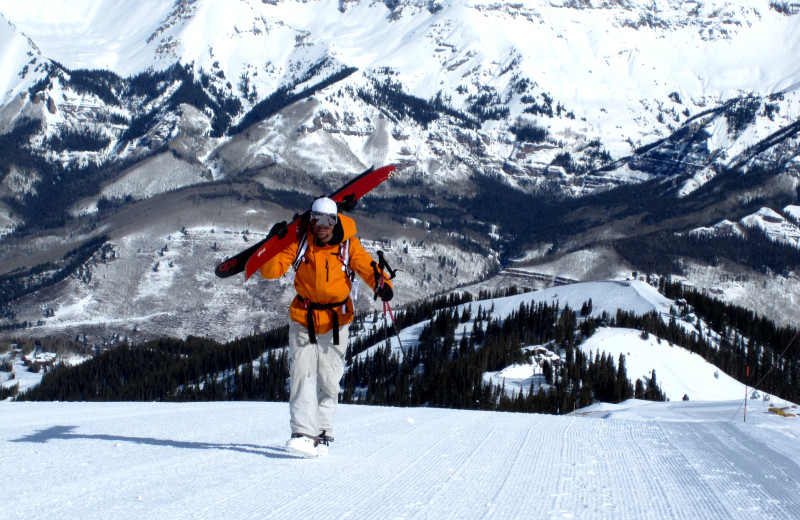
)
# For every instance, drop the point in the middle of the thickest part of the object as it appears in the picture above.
(379, 282)
(387, 307)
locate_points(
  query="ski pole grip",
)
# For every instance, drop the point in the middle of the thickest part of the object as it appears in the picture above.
(378, 280)
(384, 265)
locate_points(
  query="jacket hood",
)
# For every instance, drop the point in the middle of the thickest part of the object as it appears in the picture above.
(348, 227)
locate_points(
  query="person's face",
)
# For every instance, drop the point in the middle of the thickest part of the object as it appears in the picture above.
(322, 225)
(323, 233)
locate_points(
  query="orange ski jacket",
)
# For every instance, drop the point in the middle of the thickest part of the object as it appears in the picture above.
(322, 278)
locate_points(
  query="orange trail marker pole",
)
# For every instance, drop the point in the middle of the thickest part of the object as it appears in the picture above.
(745, 396)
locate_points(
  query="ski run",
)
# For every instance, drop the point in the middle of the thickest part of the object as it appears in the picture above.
(702, 458)
(226, 460)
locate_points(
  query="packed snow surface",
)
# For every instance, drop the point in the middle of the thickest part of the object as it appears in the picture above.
(226, 460)
(693, 459)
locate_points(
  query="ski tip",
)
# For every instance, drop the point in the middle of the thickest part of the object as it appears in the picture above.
(388, 171)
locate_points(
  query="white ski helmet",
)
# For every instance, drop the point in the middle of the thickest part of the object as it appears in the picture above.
(324, 205)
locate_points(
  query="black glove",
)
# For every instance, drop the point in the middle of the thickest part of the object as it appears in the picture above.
(280, 229)
(386, 293)
(348, 203)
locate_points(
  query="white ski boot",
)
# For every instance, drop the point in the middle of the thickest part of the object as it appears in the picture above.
(309, 446)
(304, 445)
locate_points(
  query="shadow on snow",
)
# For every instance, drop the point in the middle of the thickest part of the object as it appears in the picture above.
(66, 433)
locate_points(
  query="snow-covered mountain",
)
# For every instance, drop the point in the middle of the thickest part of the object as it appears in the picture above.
(145, 141)
(441, 87)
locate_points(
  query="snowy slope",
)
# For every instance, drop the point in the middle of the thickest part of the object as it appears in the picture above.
(774, 226)
(678, 371)
(771, 223)
(225, 460)
(607, 296)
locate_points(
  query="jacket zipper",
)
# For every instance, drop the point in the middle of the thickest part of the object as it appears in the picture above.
(326, 270)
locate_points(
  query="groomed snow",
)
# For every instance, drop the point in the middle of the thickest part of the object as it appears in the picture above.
(225, 460)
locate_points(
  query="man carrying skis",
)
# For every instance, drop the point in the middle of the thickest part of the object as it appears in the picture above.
(325, 257)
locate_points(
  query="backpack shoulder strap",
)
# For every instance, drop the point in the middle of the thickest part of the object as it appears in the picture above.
(344, 257)
(302, 247)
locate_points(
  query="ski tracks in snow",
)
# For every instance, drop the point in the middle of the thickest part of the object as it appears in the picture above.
(215, 460)
(457, 464)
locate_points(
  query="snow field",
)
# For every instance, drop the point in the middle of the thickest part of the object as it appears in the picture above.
(607, 296)
(678, 371)
(205, 460)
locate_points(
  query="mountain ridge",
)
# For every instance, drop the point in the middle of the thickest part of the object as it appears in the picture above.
(559, 102)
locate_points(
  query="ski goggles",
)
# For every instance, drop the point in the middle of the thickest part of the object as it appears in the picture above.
(324, 219)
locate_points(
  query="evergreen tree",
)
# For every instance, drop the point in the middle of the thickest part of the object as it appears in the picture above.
(623, 389)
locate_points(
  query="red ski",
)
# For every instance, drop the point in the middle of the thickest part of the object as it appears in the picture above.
(251, 259)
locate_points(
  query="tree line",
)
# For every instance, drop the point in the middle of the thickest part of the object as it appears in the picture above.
(438, 371)
(748, 342)
(446, 368)
(172, 370)
(460, 342)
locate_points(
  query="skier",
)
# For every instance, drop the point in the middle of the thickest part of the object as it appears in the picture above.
(326, 256)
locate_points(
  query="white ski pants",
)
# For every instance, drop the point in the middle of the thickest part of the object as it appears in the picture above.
(314, 372)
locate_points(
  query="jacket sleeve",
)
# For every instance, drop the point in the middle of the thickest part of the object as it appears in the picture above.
(280, 263)
(361, 263)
